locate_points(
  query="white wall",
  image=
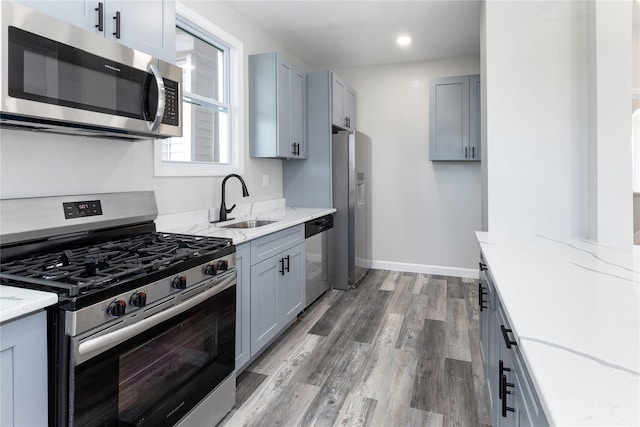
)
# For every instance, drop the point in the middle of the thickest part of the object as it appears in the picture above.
(553, 118)
(424, 213)
(535, 110)
(34, 164)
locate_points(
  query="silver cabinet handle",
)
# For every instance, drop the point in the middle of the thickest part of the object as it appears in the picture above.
(153, 126)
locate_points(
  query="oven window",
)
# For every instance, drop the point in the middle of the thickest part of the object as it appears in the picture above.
(158, 377)
(164, 364)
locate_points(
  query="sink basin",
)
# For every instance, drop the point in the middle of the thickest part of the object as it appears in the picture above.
(253, 223)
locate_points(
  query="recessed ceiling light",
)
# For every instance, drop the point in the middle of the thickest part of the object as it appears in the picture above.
(404, 40)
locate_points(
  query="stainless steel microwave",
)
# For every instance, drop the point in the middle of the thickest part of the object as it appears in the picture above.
(60, 78)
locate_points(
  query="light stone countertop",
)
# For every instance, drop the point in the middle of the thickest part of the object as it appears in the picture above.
(574, 307)
(197, 223)
(17, 302)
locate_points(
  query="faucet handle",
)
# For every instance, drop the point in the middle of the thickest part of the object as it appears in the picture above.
(231, 208)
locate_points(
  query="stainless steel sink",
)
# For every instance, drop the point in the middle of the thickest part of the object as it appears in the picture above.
(253, 223)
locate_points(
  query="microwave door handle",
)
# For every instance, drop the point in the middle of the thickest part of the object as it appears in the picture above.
(155, 124)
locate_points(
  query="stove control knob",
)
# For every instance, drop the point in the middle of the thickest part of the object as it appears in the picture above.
(117, 308)
(139, 299)
(179, 282)
(210, 270)
(223, 265)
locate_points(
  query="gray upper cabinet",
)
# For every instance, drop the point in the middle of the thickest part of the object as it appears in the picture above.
(454, 118)
(277, 108)
(308, 184)
(343, 104)
(148, 26)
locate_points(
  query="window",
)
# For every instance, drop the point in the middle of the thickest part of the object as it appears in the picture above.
(211, 63)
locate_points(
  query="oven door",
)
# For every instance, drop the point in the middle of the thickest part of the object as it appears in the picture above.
(157, 376)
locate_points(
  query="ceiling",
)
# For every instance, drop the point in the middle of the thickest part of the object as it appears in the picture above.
(345, 34)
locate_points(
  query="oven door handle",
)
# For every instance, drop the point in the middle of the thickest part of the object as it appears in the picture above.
(109, 340)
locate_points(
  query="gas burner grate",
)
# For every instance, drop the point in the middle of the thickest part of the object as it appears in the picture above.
(94, 266)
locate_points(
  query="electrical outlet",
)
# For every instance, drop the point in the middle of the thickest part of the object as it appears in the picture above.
(265, 180)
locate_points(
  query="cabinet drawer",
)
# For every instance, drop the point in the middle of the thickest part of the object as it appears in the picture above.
(268, 246)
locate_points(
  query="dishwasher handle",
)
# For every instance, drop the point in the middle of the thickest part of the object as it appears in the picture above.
(318, 225)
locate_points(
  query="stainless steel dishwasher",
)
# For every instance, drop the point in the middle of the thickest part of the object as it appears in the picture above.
(319, 257)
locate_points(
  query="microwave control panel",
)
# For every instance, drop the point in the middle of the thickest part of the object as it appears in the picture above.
(171, 103)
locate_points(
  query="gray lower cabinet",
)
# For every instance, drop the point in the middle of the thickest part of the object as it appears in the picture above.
(271, 290)
(23, 371)
(243, 305)
(454, 118)
(511, 394)
(277, 295)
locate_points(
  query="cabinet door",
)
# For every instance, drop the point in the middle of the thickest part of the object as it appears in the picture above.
(283, 106)
(243, 306)
(145, 25)
(350, 108)
(337, 101)
(449, 118)
(484, 296)
(80, 13)
(298, 114)
(264, 303)
(23, 371)
(291, 291)
(474, 117)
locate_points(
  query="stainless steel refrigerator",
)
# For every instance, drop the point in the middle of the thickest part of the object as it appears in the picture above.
(351, 185)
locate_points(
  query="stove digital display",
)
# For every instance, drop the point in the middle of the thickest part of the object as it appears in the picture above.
(81, 209)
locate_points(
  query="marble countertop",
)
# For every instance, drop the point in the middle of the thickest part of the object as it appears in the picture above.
(574, 306)
(16, 302)
(197, 223)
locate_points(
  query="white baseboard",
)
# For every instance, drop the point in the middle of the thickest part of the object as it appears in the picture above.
(468, 273)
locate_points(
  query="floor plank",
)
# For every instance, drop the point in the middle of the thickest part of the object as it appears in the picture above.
(457, 343)
(460, 405)
(357, 411)
(422, 418)
(401, 349)
(436, 289)
(428, 386)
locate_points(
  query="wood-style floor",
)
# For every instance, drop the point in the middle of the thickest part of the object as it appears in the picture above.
(401, 349)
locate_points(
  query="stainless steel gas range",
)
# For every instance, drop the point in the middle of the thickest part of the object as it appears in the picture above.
(144, 331)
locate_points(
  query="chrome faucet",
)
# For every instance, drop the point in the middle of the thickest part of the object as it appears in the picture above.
(223, 207)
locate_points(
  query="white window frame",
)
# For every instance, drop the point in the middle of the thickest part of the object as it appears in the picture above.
(236, 100)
